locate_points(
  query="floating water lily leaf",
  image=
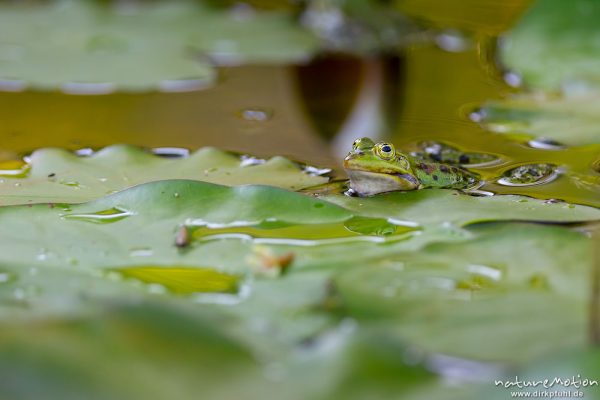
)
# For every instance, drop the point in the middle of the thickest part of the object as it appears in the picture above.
(76, 273)
(144, 231)
(556, 44)
(91, 48)
(571, 120)
(88, 357)
(489, 298)
(68, 270)
(58, 176)
(437, 206)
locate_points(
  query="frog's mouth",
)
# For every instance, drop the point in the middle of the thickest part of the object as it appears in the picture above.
(367, 183)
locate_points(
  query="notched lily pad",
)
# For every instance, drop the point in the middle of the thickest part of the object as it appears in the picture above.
(58, 176)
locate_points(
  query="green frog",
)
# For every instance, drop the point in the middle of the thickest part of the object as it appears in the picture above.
(377, 168)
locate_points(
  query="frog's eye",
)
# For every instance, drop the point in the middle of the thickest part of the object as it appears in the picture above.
(385, 151)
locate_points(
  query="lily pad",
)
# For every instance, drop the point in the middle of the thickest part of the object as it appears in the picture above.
(146, 228)
(88, 358)
(81, 275)
(489, 298)
(567, 120)
(58, 176)
(112, 266)
(438, 206)
(555, 44)
(92, 48)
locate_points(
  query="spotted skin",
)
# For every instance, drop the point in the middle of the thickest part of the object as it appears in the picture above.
(431, 174)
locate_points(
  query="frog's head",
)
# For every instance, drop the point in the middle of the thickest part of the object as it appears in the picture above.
(377, 167)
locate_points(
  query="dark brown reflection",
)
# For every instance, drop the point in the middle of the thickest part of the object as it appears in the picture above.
(251, 109)
(338, 91)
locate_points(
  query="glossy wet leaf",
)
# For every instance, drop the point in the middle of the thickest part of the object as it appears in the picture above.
(77, 279)
(555, 44)
(438, 206)
(162, 45)
(58, 176)
(224, 223)
(70, 235)
(88, 356)
(183, 280)
(512, 293)
(64, 280)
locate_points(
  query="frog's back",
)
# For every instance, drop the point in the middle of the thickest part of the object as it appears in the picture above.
(431, 174)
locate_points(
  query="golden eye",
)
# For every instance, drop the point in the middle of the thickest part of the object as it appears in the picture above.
(385, 151)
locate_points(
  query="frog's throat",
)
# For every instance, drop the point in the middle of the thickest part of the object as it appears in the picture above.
(366, 183)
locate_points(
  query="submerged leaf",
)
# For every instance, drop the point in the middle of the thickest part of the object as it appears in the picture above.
(555, 44)
(90, 48)
(566, 120)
